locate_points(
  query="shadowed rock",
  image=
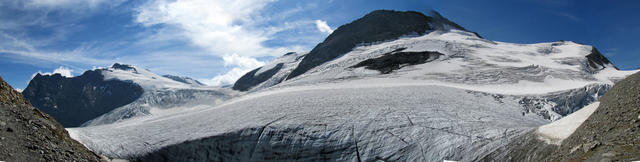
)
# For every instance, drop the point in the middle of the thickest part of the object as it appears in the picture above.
(73, 101)
(395, 60)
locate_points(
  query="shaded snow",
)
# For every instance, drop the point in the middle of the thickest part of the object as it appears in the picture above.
(555, 132)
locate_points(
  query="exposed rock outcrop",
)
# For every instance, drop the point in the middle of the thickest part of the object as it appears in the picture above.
(394, 60)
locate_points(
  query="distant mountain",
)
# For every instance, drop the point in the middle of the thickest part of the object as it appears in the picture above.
(391, 86)
(27, 134)
(73, 101)
(79, 101)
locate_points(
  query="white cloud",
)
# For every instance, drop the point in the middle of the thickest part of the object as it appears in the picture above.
(18, 89)
(241, 61)
(227, 78)
(323, 27)
(223, 27)
(232, 29)
(242, 65)
(65, 72)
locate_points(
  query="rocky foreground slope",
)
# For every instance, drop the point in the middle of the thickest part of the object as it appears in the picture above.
(27, 134)
(611, 133)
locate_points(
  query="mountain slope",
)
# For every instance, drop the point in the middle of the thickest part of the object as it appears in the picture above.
(26, 134)
(270, 74)
(611, 132)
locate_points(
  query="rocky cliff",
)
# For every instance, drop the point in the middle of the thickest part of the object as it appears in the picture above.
(76, 100)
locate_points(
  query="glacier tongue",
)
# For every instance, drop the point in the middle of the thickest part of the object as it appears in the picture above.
(394, 123)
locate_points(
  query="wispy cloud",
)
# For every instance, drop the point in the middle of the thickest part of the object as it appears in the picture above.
(242, 65)
(222, 27)
(65, 72)
(230, 29)
(323, 27)
(199, 38)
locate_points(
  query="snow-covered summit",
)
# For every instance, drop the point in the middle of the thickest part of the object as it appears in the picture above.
(470, 62)
(143, 77)
(161, 93)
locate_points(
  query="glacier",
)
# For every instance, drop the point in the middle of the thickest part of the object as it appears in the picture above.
(461, 106)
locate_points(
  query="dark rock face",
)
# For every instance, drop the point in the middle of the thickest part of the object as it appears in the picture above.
(596, 60)
(123, 67)
(26, 134)
(73, 101)
(394, 60)
(250, 79)
(374, 27)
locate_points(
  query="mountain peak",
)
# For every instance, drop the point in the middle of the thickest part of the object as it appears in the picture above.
(123, 66)
(376, 26)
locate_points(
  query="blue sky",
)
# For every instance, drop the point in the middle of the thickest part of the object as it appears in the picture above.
(216, 41)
